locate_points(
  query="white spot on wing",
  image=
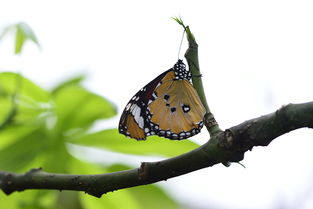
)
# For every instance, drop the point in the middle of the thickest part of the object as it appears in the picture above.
(132, 107)
(128, 106)
(140, 122)
(135, 110)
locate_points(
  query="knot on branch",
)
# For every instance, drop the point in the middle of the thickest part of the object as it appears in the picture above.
(32, 171)
(143, 171)
(209, 120)
(148, 172)
(281, 117)
(238, 140)
(230, 149)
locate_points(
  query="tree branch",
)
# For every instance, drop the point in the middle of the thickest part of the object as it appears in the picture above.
(227, 146)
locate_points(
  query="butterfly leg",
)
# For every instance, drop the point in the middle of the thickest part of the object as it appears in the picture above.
(197, 76)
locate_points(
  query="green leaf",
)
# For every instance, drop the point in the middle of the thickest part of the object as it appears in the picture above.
(73, 81)
(153, 197)
(112, 140)
(20, 38)
(6, 30)
(29, 33)
(77, 107)
(23, 33)
(6, 110)
(68, 200)
(27, 200)
(57, 158)
(179, 21)
(12, 83)
(12, 133)
(16, 156)
(20, 99)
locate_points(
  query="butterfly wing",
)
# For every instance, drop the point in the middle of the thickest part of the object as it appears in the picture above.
(177, 111)
(134, 120)
(168, 106)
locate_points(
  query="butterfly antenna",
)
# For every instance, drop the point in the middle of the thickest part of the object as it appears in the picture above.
(181, 43)
(180, 21)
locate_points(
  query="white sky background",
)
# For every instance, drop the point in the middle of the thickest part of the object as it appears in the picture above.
(255, 56)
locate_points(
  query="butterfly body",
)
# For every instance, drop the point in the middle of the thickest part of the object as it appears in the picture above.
(168, 106)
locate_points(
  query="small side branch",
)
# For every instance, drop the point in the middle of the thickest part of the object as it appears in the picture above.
(191, 56)
(228, 146)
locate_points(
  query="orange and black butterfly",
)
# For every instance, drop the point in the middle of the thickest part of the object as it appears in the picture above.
(168, 106)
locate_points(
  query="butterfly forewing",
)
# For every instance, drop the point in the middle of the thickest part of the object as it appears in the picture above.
(134, 120)
(168, 106)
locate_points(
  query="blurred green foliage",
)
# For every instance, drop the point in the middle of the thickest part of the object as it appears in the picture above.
(37, 125)
(22, 33)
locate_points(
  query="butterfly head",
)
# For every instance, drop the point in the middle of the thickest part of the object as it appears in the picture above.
(180, 71)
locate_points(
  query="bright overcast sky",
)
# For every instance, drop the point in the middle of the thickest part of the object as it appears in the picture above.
(255, 56)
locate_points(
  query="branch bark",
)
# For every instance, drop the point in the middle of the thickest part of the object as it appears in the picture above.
(227, 146)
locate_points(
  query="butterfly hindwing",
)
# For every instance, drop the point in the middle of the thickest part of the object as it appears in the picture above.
(168, 106)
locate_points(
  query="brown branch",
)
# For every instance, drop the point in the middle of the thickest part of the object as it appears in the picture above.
(227, 146)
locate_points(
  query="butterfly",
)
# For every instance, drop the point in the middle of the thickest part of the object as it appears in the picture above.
(168, 106)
